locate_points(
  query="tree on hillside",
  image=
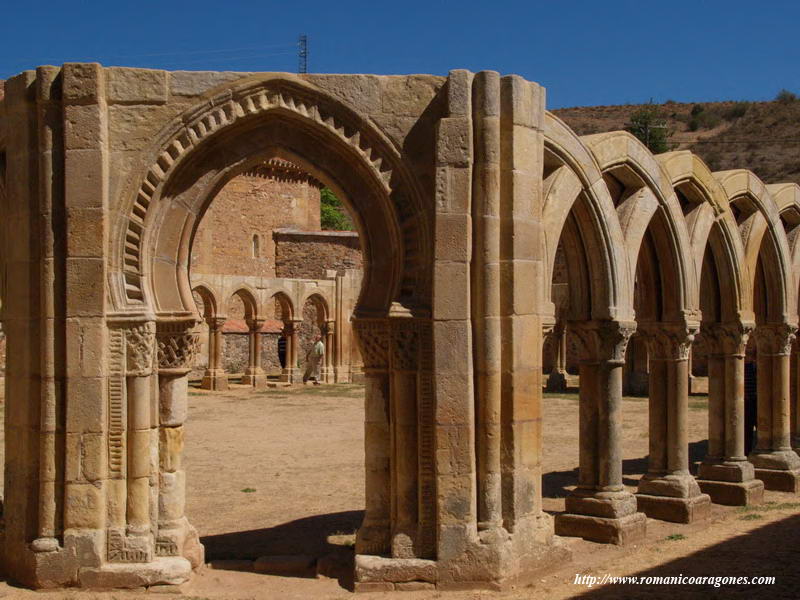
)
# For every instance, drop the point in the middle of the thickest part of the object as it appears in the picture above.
(332, 214)
(649, 124)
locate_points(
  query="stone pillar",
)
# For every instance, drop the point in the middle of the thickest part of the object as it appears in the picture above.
(725, 474)
(636, 371)
(795, 396)
(328, 370)
(374, 534)
(600, 509)
(557, 380)
(215, 377)
(254, 375)
(776, 464)
(177, 346)
(403, 349)
(137, 545)
(668, 491)
(292, 332)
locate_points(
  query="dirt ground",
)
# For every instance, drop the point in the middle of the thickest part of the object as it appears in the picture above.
(281, 473)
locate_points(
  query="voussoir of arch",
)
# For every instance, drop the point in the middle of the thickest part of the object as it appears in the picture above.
(579, 173)
(249, 297)
(787, 198)
(245, 101)
(209, 293)
(622, 154)
(684, 168)
(742, 183)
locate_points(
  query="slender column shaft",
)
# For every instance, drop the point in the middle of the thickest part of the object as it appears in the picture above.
(781, 427)
(716, 406)
(139, 437)
(657, 459)
(734, 407)
(588, 395)
(561, 362)
(765, 380)
(678, 412)
(610, 427)
(403, 400)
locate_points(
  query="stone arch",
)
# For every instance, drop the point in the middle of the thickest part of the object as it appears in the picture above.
(210, 300)
(712, 226)
(248, 296)
(282, 296)
(764, 241)
(787, 200)
(257, 120)
(649, 212)
(572, 173)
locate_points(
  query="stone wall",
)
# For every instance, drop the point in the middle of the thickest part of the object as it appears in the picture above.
(309, 255)
(235, 235)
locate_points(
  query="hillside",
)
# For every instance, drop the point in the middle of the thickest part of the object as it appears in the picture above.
(761, 136)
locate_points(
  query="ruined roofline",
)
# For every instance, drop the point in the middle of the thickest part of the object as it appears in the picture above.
(288, 232)
(283, 170)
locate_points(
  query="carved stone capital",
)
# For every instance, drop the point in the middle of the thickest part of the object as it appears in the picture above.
(669, 341)
(255, 325)
(177, 344)
(139, 349)
(727, 338)
(373, 341)
(775, 338)
(217, 323)
(603, 341)
(404, 345)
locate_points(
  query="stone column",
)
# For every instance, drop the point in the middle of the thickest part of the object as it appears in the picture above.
(668, 491)
(776, 464)
(557, 380)
(215, 377)
(177, 346)
(795, 396)
(254, 375)
(403, 350)
(725, 474)
(292, 331)
(330, 330)
(138, 545)
(374, 534)
(600, 509)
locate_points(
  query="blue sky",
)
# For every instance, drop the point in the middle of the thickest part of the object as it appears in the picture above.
(585, 53)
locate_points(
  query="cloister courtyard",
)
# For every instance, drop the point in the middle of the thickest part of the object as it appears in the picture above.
(278, 473)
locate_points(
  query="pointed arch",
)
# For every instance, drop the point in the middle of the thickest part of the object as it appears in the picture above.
(712, 227)
(649, 208)
(572, 174)
(249, 298)
(210, 297)
(763, 238)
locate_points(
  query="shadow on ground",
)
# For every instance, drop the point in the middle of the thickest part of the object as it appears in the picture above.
(770, 551)
(308, 536)
(557, 484)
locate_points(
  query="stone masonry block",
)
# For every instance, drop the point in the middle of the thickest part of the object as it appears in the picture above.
(136, 86)
(86, 227)
(454, 142)
(451, 291)
(83, 82)
(84, 506)
(86, 178)
(85, 287)
(453, 234)
(84, 127)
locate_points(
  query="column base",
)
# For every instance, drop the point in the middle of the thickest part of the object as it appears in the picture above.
(256, 380)
(733, 493)
(557, 382)
(605, 517)
(214, 380)
(779, 480)
(289, 375)
(620, 531)
(173, 570)
(675, 510)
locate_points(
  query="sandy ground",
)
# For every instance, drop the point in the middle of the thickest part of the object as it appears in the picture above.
(281, 472)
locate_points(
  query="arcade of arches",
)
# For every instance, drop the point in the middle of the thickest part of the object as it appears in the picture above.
(486, 225)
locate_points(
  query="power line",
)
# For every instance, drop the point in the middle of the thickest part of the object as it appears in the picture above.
(783, 141)
(302, 66)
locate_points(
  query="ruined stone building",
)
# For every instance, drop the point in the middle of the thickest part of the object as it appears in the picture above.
(261, 270)
(464, 190)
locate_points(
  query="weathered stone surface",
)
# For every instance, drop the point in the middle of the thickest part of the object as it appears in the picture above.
(136, 86)
(162, 571)
(376, 568)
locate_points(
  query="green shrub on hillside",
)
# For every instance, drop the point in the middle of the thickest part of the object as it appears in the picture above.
(785, 96)
(332, 214)
(650, 126)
